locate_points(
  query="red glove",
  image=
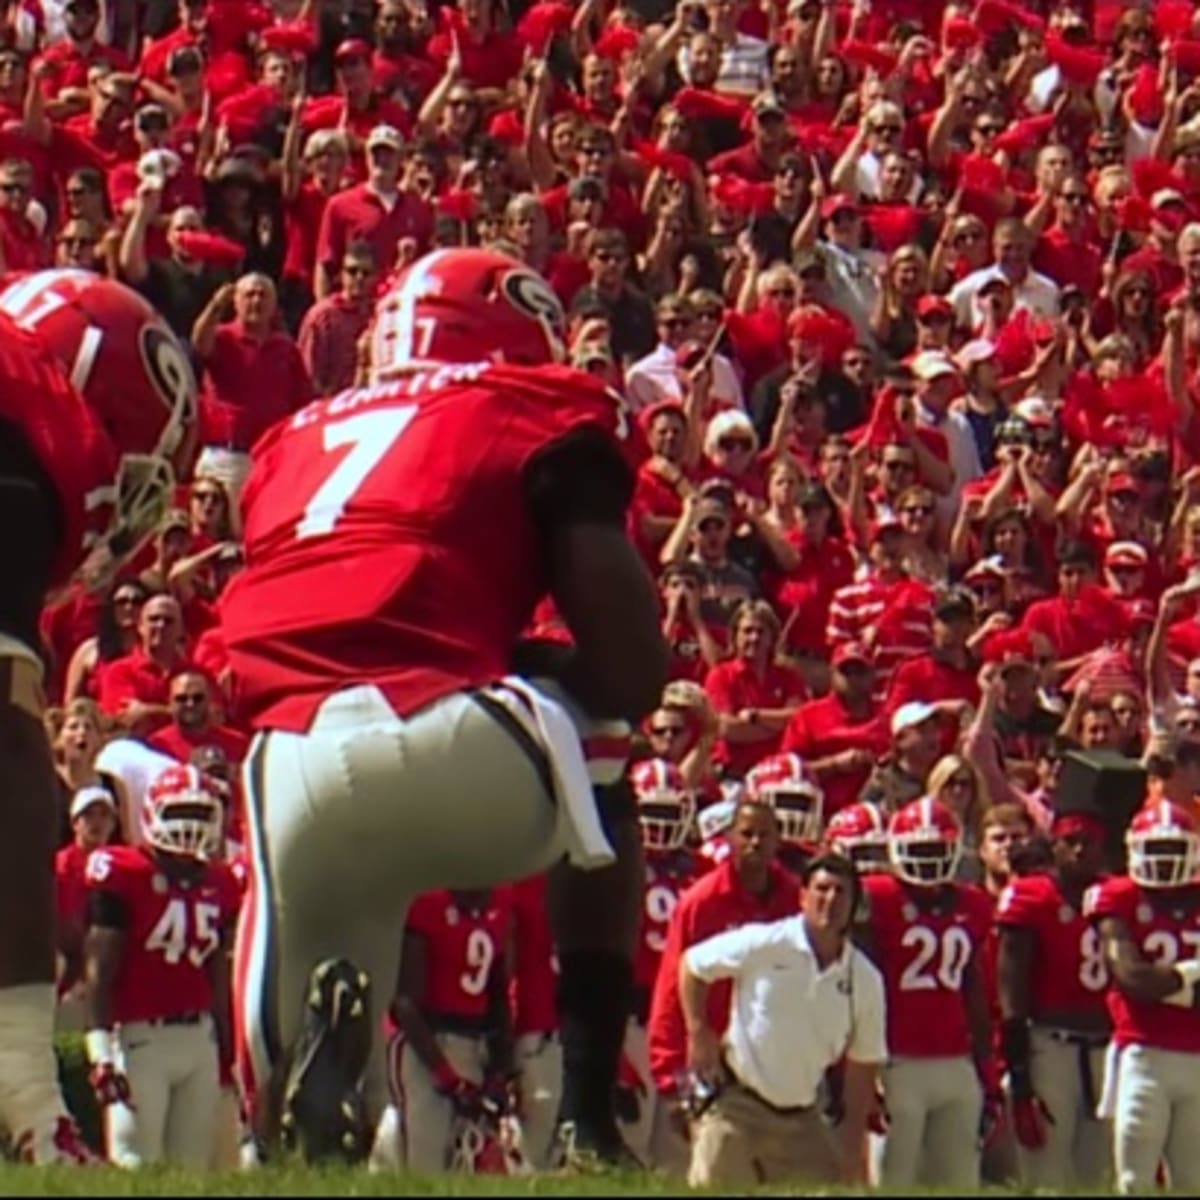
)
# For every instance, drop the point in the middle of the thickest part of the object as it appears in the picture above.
(110, 1085)
(462, 1093)
(1030, 1118)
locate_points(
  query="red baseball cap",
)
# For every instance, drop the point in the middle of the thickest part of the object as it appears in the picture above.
(838, 202)
(931, 306)
(850, 652)
(1122, 481)
(352, 49)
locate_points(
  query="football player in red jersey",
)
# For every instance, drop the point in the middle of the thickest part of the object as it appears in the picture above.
(859, 831)
(783, 782)
(926, 934)
(1055, 1025)
(451, 1007)
(398, 538)
(85, 472)
(1149, 925)
(666, 811)
(161, 922)
(537, 1048)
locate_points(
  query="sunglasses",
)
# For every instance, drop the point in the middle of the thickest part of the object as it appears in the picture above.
(204, 497)
(968, 235)
(989, 130)
(666, 730)
(673, 322)
(13, 188)
(734, 443)
(189, 698)
(126, 599)
(784, 293)
(1076, 197)
(1137, 291)
(360, 272)
(612, 256)
(897, 464)
(887, 129)
(918, 510)
(711, 525)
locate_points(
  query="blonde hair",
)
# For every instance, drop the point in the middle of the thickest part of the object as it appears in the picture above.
(773, 277)
(943, 771)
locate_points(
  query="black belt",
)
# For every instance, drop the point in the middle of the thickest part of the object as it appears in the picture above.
(518, 732)
(731, 1080)
(1084, 1044)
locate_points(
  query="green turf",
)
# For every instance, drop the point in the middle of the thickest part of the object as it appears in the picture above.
(299, 1180)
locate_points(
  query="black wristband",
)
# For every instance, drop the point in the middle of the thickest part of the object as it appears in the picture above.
(1017, 1051)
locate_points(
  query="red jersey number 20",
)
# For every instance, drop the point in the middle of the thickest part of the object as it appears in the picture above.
(369, 436)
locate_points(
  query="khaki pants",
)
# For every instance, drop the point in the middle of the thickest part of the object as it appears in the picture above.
(670, 1150)
(934, 1106)
(1078, 1149)
(539, 1061)
(175, 1091)
(428, 1116)
(348, 824)
(1157, 1118)
(741, 1141)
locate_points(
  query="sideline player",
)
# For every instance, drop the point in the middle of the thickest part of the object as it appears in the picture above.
(398, 538)
(161, 923)
(1149, 925)
(1054, 1024)
(85, 473)
(926, 933)
(666, 811)
(451, 1008)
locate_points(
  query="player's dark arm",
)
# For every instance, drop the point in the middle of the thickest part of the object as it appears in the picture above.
(406, 1004)
(1013, 963)
(103, 950)
(219, 977)
(499, 1020)
(1137, 978)
(578, 491)
(979, 1016)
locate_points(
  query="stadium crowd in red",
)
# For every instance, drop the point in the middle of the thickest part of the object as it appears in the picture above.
(902, 296)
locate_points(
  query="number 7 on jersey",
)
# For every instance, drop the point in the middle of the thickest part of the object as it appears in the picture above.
(370, 435)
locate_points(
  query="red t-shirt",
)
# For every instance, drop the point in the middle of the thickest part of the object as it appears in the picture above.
(462, 948)
(359, 214)
(302, 217)
(136, 676)
(171, 931)
(1164, 931)
(181, 744)
(822, 728)
(1067, 973)
(923, 955)
(734, 685)
(250, 383)
(380, 580)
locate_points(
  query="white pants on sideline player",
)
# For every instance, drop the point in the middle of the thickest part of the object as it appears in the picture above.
(428, 1116)
(1078, 1149)
(934, 1106)
(230, 469)
(353, 820)
(1155, 1097)
(539, 1065)
(175, 1093)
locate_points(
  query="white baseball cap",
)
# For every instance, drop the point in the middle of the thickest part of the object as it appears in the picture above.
(87, 796)
(915, 712)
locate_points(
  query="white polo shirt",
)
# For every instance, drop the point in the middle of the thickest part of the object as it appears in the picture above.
(790, 1020)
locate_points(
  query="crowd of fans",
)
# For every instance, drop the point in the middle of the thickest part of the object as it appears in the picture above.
(903, 294)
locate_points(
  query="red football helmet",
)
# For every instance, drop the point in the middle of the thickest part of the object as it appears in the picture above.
(925, 843)
(182, 813)
(1163, 845)
(665, 806)
(466, 306)
(132, 372)
(860, 833)
(783, 782)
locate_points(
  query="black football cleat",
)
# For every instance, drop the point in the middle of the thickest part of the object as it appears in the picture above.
(323, 1113)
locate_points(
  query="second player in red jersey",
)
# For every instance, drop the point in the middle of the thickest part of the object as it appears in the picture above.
(161, 922)
(666, 811)
(451, 1007)
(398, 540)
(1052, 983)
(926, 934)
(1149, 924)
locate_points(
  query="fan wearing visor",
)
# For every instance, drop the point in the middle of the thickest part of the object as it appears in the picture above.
(157, 964)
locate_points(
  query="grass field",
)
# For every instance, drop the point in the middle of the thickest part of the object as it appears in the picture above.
(299, 1180)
